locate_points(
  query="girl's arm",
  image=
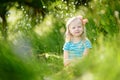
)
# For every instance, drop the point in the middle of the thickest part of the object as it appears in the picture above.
(65, 59)
(88, 46)
(86, 52)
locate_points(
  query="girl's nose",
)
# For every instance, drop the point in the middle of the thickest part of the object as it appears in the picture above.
(76, 28)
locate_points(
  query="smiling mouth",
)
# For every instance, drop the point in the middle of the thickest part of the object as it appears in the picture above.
(77, 32)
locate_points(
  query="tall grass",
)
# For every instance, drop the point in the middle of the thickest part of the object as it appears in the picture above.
(45, 60)
(25, 67)
(102, 63)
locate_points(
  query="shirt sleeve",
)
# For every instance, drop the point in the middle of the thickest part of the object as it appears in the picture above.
(88, 44)
(66, 46)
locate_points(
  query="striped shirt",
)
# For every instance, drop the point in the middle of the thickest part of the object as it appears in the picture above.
(76, 49)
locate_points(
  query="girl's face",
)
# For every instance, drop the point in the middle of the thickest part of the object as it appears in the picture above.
(76, 28)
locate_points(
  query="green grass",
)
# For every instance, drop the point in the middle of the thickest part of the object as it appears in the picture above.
(45, 61)
(101, 64)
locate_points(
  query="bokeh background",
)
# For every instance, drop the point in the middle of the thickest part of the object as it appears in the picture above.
(32, 37)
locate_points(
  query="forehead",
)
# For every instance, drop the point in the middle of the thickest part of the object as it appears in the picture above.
(76, 22)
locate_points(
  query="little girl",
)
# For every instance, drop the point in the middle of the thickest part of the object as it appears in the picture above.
(76, 43)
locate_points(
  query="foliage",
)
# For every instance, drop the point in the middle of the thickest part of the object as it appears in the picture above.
(101, 64)
(33, 49)
(26, 67)
(13, 67)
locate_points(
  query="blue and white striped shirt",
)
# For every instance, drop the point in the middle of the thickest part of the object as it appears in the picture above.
(76, 49)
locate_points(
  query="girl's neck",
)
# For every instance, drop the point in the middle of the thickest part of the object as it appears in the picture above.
(76, 39)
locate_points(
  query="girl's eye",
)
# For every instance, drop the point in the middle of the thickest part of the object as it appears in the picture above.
(73, 27)
(79, 26)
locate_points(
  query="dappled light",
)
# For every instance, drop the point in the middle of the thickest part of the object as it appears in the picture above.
(13, 16)
(45, 27)
(32, 34)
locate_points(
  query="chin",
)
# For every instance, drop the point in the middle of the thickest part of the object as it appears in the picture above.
(77, 35)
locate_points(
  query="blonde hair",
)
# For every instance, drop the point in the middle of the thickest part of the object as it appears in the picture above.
(68, 35)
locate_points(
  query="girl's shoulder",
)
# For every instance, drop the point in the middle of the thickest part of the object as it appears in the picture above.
(86, 39)
(66, 45)
(88, 43)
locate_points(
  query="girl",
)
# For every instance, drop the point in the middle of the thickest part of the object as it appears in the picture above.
(76, 43)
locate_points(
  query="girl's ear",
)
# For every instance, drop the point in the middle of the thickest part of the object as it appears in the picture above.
(85, 21)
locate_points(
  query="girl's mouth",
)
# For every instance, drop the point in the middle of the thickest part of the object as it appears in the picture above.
(77, 32)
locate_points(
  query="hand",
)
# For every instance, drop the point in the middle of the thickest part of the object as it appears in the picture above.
(66, 62)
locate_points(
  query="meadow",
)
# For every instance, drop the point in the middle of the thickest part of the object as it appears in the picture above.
(33, 50)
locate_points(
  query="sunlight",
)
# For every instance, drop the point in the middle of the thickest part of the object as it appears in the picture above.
(45, 26)
(32, 35)
(14, 16)
(87, 76)
(1, 20)
(12, 19)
